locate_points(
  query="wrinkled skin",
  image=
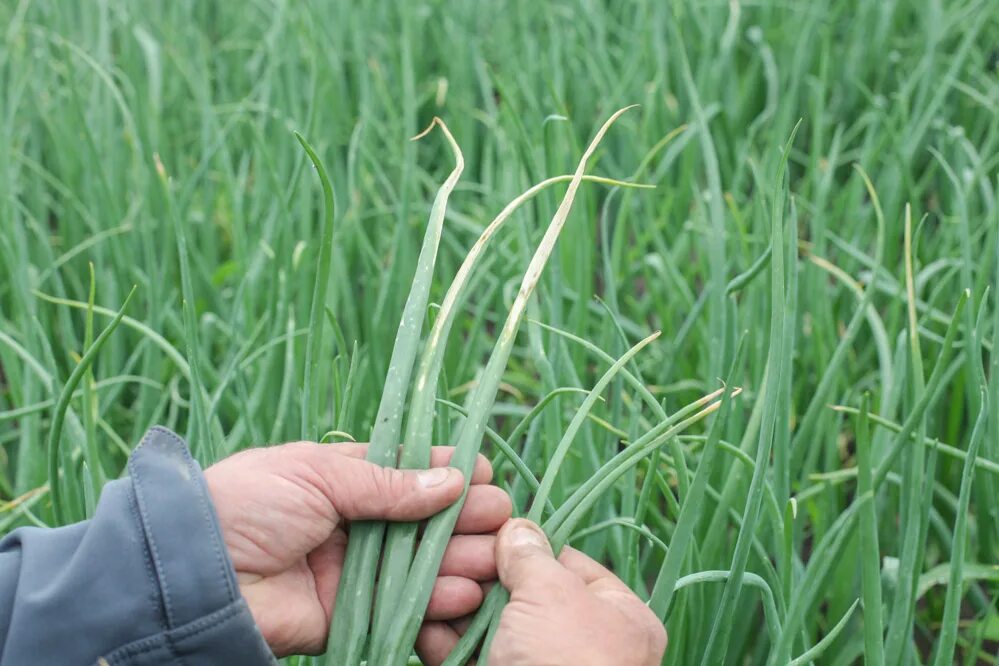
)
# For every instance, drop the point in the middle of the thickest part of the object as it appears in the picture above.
(569, 611)
(285, 511)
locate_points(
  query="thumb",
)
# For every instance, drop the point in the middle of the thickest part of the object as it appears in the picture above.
(361, 490)
(524, 557)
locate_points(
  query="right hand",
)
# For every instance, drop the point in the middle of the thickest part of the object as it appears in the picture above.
(569, 610)
(562, 612)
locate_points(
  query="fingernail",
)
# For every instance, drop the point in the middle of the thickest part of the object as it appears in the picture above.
(525, 536)
(429, 478)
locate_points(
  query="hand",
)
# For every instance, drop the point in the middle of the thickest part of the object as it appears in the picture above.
(569, 611)
(283, 511)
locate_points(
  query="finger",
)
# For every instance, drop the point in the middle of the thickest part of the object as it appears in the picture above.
(611, 593)
(462, 624)
(486, 509)
(524, 559)
(452, 597)
(440, 456)
(471, 556)
(326, 563)
(611, 590)
(360, 490)
(589, 569)
(435, 642)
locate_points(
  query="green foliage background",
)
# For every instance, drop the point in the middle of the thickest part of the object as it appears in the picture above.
(94, 95)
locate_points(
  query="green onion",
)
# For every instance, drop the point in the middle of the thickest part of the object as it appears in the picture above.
(419, 583)
(400, 540)
(356, 595)
(62, 404)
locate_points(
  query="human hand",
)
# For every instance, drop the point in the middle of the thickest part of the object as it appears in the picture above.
(284, 513)
(567, 611)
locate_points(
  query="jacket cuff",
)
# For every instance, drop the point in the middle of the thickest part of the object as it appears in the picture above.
(206, 620)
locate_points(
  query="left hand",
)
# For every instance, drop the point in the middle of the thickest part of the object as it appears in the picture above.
(284, 512)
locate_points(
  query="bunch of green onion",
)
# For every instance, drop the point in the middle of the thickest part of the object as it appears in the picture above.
(389, 570)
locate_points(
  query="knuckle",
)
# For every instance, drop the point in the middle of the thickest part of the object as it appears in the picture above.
(396, 483)
(378, 481)
(388, 484)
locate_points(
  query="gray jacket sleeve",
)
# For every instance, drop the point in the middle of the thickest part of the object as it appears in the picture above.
(146, 581)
